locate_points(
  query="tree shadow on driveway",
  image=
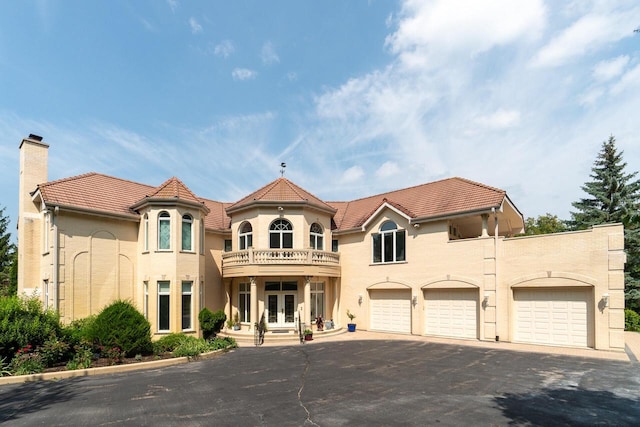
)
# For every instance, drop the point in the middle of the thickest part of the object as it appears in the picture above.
(569, 406)
(22, 399)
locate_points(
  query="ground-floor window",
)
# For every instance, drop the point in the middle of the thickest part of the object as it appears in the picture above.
(244, 302)
(164, 294)
(317, 300)
(146, 300)
(187, 308)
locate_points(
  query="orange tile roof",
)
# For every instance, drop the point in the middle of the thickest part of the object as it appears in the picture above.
(280, 190)
(96, 192)
(107, 194)
(440, 198)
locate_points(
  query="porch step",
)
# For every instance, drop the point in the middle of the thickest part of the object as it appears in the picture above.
(280, 335)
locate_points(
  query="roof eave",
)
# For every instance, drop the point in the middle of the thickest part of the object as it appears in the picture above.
(76, 209)
(172, 201)
(269, 203)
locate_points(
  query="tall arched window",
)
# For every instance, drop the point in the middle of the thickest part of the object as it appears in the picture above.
(245, 236)
(316, 237)
(145, 226)
(389, 243)
(281, 234)
(164, 231)
(187, 232)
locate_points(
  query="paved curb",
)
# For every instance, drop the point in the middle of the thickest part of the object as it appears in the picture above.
(105, 370)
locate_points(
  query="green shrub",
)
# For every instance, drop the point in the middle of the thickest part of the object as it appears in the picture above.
(168, 343)
(24, 322)
(5, 368)
(78, 330)
(27, 362)
(219, 343)
(121, 325)
(631, 321)
(211, 322)
(54, 351)
(82, 357)
(191, 347)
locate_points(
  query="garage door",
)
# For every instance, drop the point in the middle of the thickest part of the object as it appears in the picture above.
(451, 313)
(556, 317)
(390, 310)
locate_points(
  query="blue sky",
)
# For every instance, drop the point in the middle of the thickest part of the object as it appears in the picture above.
(357, 97)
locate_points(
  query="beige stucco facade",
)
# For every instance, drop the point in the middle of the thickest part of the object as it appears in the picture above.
(460, 275)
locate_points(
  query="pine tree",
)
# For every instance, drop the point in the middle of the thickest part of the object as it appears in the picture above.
(7, 257)
(614, 196)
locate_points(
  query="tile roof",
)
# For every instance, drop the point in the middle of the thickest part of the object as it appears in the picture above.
(103, 193)
(94, 191)
(280, 190)
(440, 198)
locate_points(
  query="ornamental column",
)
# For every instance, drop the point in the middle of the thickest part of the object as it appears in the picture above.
(307, 300)
(254, 303)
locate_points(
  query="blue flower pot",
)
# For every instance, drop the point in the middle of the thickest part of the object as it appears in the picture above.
(351, 327)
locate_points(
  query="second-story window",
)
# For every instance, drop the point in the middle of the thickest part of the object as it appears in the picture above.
(245, 236)
(389, 244)
(187, 233)
(316, 240)
(164, 231)
(146, 232)
(281, 234)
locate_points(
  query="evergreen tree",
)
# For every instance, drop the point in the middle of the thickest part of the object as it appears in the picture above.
(8, 257)
(614, 196)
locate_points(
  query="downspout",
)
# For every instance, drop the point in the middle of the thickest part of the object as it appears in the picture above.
(56, 258)
(495, 254)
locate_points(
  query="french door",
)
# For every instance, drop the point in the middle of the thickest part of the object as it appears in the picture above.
(281, 309)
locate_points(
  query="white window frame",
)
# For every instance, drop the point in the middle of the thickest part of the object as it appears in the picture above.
(186, 219)
(387, 231)
(317, 288)
(145, 303)
(184, 294)
(166, 294)
(164, 216)
(145, 227)
(245, 237)
(244, 292)
(316, 233)
(46, 225)
(281, 227)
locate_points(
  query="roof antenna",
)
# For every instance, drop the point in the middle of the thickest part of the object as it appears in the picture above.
(282, 165)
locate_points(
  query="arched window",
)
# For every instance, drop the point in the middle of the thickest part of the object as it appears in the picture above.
(389, 243)
(187, 232)
(316, 237)
(146, 232)
(164, 231)
(245, 236)
(281, 234)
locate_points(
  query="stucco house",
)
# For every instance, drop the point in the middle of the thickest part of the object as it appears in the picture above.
(436, 259)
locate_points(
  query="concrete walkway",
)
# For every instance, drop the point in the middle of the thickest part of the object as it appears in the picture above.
(632, 344)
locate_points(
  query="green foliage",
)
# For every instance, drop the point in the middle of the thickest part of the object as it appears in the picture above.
(8, 259)
(23, 322)
(82, 358)
(191, 347)
(26, 363)
(614, 196)
(211, 322)
(351, 316)
(54, 351)
(78, 330)
(168, 343)
(631, 321)
(222, 342)
(544, 224)
(5, 368)
(121, 325)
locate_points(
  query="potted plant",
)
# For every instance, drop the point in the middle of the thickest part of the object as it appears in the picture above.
(308, 335)
(351, 327)
(236, 322)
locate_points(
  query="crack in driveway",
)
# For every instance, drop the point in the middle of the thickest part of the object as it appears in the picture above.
(307, 366)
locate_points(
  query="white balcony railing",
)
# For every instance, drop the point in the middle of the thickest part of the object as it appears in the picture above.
(280, 256)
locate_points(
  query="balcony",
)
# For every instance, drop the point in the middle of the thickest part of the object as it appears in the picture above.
(285, 262)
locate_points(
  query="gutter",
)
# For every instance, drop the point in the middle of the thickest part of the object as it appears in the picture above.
(56, 258)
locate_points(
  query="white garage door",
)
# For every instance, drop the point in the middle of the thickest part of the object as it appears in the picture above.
(390, 310)
(546, 316)
(451, 312)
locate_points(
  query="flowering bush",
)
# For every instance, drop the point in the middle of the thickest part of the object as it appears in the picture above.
(114, 354)
(27, 362)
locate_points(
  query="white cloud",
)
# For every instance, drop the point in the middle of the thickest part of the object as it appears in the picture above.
(173, 4)
(589, 33)
(292, 76)
(387, 169)
(608, 69)
(429, 31)
(195, 26)
(629, 81)
(268, 54)
(243, 74)
(224, 48)
(354, 173)
(500, 119)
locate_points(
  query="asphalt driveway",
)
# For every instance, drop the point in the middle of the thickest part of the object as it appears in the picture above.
(359, 382)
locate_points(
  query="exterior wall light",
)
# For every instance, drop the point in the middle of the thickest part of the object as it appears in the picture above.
(414, 300)
(360, 299)
(605, 299)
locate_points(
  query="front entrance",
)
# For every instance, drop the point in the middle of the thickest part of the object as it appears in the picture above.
(280, 304)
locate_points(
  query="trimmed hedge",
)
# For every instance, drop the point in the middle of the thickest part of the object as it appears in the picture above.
(121, 325)
(211, 322)
(631, 321)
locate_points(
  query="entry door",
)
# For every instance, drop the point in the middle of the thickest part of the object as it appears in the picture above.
(281, 309)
